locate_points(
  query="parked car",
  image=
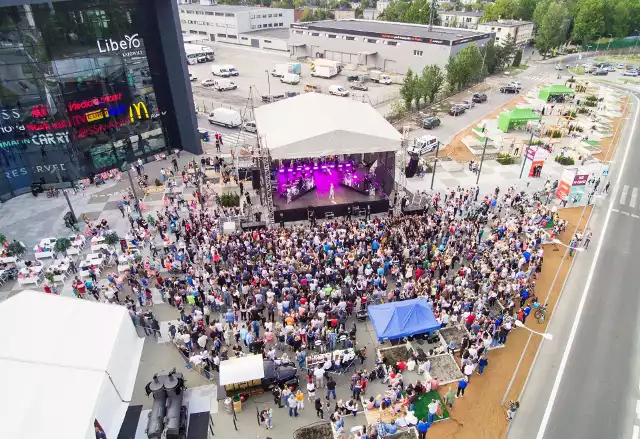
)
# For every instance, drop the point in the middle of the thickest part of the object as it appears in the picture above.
(509, 89)
(467, 104)
(224, 84)
(630, 73)
(192, 78)
(314, 88)
(423, 145)
(456, 110)
(479, 98)
(208, 83)
(290, 78)
(430, 122)
(338, 90)
(357, 85)
(231, 69)
(600, 72)
(516, 84)
(621, 66)
(609, 68)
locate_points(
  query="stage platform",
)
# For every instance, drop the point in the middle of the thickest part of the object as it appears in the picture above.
(342, 195)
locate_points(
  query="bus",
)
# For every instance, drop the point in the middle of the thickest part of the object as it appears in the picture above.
(198, 54)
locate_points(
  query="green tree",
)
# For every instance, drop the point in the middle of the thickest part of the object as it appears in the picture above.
(552, 30)
(431, 82)
(590, 20)
(505, 52)
(409, 89)
(464, 68)
(490, 56)
(625, 16)
(525, 9)
(517, 59)
(418, 11)
(395, 11)
(505, 9)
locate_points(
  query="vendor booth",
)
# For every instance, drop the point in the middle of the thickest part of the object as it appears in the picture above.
(535, 157)
(553, 92)
(70, 372)
(402, 319)
(516, 117)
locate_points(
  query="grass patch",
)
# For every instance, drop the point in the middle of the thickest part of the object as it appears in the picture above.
(421, 409)
(576, 70)
(517, 68)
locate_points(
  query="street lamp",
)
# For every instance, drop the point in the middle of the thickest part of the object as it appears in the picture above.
(597, 42)
(609, 44)
(269, 80)
(544, 335)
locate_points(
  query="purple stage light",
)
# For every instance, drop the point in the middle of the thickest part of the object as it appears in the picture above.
(315, 167)
(299, 168)
(290, 169)
(348, 165)
(324, 166)
(340, 165)
(306, 168)
(355, 177)
(281, 170)
(332, 166)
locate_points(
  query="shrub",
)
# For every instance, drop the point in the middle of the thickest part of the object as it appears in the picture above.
(230, 200)
(537, 142)
(111, 238)
(565, 161)
(554, 134)
(16, 249)
(3, 239)
(506, 159)
(62, 245)
(583, 110)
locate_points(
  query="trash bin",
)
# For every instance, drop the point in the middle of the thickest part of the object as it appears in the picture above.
(237, 404)
(227, 405)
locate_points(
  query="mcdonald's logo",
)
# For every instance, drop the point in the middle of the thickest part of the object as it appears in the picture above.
(137, 107)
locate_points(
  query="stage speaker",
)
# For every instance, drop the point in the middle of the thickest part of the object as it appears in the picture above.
(412, 168)
(255, 178)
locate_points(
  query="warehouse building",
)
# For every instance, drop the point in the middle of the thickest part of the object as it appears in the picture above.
(255, 26)
(520, 31)
(392, 47)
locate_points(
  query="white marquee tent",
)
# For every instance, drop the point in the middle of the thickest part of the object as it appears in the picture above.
(64, 363)
(316, 125)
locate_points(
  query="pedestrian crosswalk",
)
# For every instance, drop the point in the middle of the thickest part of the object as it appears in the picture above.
(235, 138)
(629, 198)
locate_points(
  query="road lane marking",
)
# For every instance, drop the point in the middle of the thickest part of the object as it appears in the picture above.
(638, 409)
(623, 197)
(625, 213)
(634, 197)
(634, 215)
(615, 210)
(585, 292)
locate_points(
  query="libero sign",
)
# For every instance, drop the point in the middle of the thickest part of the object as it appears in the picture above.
(124, 47)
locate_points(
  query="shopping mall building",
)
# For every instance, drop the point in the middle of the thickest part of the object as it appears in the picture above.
(88, 85)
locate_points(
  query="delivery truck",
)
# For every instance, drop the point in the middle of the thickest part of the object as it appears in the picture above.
(281, 69)
(324, 72)
(326, 63)
(380, 77)
(225, 117)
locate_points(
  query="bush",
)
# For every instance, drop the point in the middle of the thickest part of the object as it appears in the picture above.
(537, 142)
(565, 161)
(505, 159)
(16, 249)
(111, 238)
(230, 200)
(554, 134)
(62, 245)
(583, 110)
(3, 239)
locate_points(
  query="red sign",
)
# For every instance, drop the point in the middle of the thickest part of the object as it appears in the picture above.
(97, 128)
(83, 105)
(39, 111)
(580, 180)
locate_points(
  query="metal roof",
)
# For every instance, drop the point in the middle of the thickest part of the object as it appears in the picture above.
(280, 33)
(228, 8)
(388, 27)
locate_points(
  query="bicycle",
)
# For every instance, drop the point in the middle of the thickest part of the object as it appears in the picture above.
(541, 313)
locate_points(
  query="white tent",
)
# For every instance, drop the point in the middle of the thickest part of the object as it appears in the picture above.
(316, 125)
(64, 362)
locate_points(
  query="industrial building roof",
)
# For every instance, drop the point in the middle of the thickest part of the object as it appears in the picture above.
(399, 31)
(507, 23)
(282, 34)
(462, 13)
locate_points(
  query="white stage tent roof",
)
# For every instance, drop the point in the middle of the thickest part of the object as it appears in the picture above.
(65, 362)
(316, 125)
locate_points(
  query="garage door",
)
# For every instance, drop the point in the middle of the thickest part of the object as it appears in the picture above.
(255, 42)
(335, 56)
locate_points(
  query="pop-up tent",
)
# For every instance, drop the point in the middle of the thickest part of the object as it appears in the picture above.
(555, 90)
(65, 364)
(517, 116)
(402, 319)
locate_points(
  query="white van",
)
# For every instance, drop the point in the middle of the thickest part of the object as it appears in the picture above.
(225, 117)
(423, 145)
(290, 78)
(231, 69)
(224, 84)
(219, 70)
(338, 90)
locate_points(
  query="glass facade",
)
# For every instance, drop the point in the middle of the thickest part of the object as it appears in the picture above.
(78, 84)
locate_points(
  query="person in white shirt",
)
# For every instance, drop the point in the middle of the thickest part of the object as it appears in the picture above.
(319, 375)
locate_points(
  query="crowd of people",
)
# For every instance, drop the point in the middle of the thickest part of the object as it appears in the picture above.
(288, 292)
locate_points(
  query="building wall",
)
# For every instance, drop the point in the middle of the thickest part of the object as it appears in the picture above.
(522, 33)
(264, 42)
(392, 56)
(226, 26)
(460, 21)
(343, 14)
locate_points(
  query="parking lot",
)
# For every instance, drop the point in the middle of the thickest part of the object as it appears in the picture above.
(254, 66)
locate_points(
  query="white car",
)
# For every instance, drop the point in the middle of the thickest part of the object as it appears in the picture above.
(621, 66)
(250, 126)
(559, 67)
(630, 73)
(208, 82)
(192, 78)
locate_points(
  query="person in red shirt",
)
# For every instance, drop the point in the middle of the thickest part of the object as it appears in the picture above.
(47, 289)
(401, 366)
(419, 272)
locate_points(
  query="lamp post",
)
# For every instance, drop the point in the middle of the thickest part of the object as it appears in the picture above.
(268, 80)
(435, 164)
(597, 42)
(484, 149)
(609, 44)
(524, 156)
(544, 335)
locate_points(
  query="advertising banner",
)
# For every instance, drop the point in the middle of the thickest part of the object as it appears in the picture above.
(578, 188)
(564, 186)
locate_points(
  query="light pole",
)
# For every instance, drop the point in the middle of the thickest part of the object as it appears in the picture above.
(609, 44)
(269, 81)
(484, 149)
(544, 335)
(597, 42)
(435, 165)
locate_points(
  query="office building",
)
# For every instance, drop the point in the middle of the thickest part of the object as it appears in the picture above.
(253, 26)
(520, 31)
(460, 19)
(392, 47)
(88, 85)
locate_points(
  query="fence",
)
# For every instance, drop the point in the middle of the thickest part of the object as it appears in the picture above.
(376, 100)
(622, 45)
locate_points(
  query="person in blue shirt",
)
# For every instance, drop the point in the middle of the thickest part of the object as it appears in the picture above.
(422, 427)
(482, 363)
(462, 385)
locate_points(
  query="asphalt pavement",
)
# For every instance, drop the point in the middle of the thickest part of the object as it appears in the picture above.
(585, 382)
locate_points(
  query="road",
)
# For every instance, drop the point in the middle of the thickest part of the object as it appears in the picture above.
(585, 383)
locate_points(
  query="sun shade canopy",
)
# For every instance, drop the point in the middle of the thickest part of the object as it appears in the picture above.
(317, 125)
(402, 319)
(517, 116)
(554, 90)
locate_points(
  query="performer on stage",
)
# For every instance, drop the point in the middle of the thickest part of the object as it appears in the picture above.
(331, 193)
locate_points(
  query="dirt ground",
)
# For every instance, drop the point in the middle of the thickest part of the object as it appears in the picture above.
(457, 151)
(609, 144)
(445, 368)
(480, 410)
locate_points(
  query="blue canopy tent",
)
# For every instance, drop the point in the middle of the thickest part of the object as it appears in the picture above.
(402, 319)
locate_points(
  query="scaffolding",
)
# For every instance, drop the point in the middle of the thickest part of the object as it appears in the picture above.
(264, 162)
